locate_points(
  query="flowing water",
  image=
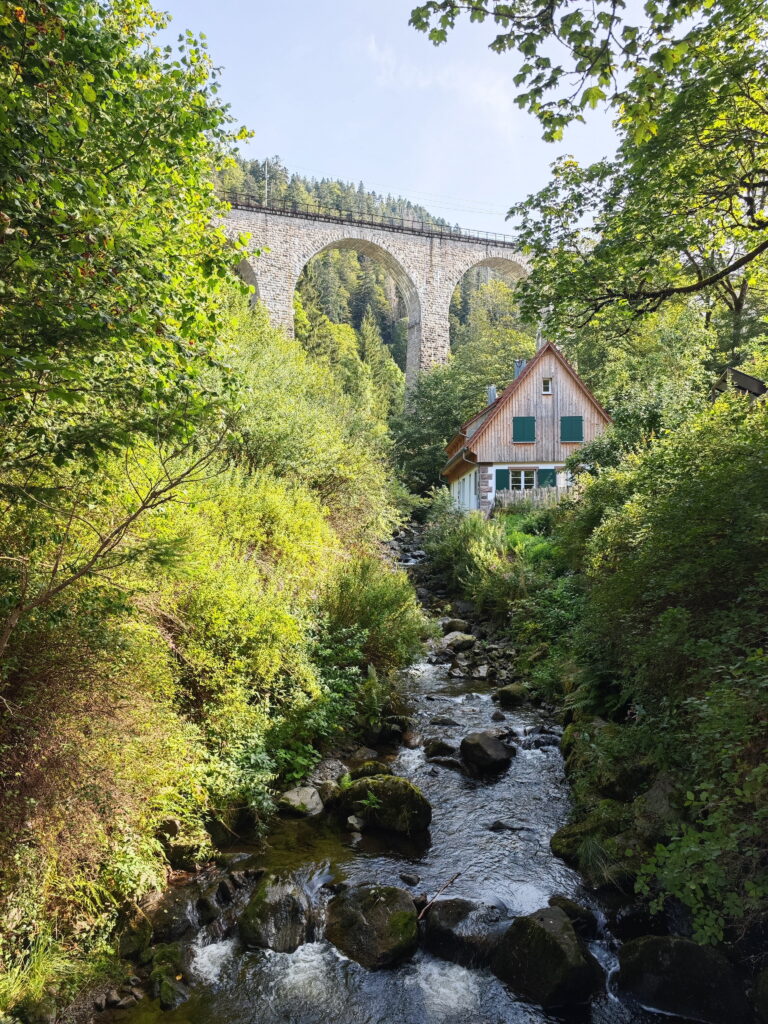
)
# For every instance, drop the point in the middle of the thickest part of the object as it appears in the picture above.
(514, 870)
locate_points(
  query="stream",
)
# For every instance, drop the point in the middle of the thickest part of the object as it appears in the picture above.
(513, 870)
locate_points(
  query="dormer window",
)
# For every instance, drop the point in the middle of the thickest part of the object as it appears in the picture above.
(546, 386)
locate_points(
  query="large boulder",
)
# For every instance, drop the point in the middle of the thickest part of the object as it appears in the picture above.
(484, 752)
(457, 641)
(542, 959)
(677, 976)
(512, 695)
(436, 746)
(304, 801)
(376, 925)
(369, 768)
(455, 626)
(171, 914)
(463, 931)
(278, 916)
(583, 919)
(387, 802)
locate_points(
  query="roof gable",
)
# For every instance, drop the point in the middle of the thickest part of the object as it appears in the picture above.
(492, 411)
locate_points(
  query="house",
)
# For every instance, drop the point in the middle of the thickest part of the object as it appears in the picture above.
(742, 382)
(521, 439)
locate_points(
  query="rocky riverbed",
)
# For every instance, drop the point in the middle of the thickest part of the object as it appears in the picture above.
(414, 883)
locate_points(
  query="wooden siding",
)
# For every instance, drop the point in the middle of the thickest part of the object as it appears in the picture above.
(568, 398)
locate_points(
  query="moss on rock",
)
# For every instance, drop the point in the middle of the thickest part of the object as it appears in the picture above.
(376, 925)
(387, 802)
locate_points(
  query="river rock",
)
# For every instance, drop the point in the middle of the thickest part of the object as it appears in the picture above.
(387, 802)
(458, 642)
(512, 695)
(438, 747)
(330, 769)
(677, 976)
(455, 626)
(542, 959)
(445, 720)
(376, 925)
(449, 762)
(582, 918)
(498, 716)
(363, 754)
(171, 913)
(369, 768)
(167, 974)
(463, 931)
(302, 802)
(278, 916)
(409, 878)
(484, 752)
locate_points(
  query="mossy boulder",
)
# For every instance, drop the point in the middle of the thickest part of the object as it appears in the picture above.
(583, 919)
(542, 959)
(386, 802)
(587, 844)
(278, 916)
(135, 934)
(167, 975)
(677, 976)
(368, 769)
(376, 925)
(512, 696)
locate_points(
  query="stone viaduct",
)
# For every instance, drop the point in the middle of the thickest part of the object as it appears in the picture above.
(426, 263)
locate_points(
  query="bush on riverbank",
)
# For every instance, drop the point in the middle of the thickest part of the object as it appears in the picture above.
(232, 637)
(644, 615)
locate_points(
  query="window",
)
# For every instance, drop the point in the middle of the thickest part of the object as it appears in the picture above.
(547, 478)
(523, 429)
(502, 479)
(571, 428)
(521, 479)
(546, 386)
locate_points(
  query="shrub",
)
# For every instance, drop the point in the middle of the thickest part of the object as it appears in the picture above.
(379, 601)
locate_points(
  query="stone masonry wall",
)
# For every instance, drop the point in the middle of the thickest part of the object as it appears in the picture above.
(426, 269)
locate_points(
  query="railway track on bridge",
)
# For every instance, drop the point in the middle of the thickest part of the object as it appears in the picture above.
(305, 211)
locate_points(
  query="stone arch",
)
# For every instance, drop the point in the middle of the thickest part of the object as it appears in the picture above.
(406, 286)
(508, 268)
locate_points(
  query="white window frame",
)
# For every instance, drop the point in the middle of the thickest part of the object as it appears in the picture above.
(525, 475)
(547, 390)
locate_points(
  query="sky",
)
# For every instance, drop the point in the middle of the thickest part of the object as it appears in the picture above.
(347, 89)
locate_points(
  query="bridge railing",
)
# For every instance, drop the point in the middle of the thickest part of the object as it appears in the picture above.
(247, 201)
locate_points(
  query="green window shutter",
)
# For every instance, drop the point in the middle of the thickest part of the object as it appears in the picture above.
(502, 479)
(523, 428)
(547, 478)
(571, 428)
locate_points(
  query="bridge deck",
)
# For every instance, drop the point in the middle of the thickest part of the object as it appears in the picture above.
(244, 201)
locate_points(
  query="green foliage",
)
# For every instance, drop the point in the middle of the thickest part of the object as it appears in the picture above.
(631, 60)
(110, 267)
(381, 604)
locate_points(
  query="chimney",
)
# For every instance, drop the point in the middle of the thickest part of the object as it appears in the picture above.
(519, 367)
(491, 394)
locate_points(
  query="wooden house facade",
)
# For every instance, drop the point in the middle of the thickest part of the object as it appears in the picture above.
(521, 440)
